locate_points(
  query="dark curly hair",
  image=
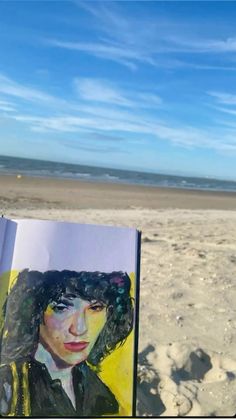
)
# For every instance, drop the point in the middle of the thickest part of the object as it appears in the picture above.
(33, 291)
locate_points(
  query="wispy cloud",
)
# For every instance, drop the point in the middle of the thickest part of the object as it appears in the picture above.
(95, 90)
(226, 110)
(119, 28)
(85, 92)
(100, 91)
(132, 41)
(225, 103)
(159, 57)
(224, 98)
(6, 106)
(113, 115)
(202, 45)
(161, 34)
(148, 99)
(69, 123)
(184, 136)
(123, 39)
(12, 88)
(117, 53)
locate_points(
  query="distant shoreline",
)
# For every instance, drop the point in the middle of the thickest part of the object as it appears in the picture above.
(38, 192)
(121, 183)
(66, 171)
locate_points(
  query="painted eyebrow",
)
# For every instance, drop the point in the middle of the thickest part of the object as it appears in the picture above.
(97, 302)
(69, 296)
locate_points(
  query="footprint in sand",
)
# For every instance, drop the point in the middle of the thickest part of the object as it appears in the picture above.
(182, 369)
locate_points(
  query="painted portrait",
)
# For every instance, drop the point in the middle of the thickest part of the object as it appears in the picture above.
(57, 329)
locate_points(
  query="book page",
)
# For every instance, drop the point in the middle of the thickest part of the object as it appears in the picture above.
(70, 308)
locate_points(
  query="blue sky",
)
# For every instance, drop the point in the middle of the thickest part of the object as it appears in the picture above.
(147, 85)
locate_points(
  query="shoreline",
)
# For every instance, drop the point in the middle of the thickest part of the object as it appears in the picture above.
(82, 194)
(120, 183)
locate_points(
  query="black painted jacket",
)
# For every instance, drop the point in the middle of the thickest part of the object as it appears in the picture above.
(27, 389)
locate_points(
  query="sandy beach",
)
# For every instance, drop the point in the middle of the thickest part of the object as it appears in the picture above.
(187, 341)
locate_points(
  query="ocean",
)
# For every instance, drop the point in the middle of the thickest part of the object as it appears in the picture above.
(46, 169)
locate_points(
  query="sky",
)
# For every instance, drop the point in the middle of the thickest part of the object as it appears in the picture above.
(138, 85)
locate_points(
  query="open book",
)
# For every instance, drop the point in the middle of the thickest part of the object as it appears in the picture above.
(69, 319)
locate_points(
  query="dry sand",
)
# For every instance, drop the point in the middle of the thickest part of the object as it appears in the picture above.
(187, 343)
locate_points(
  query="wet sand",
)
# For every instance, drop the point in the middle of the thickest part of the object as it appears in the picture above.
(75, 194)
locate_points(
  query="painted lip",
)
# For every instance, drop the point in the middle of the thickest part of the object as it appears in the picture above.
(76, 346)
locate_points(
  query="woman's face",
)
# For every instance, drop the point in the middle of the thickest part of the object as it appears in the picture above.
(71, 327)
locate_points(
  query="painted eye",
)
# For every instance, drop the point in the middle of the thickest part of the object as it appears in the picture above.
(59, 308)
(96, 307)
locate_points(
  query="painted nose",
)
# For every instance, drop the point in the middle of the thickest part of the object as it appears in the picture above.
(78, 325)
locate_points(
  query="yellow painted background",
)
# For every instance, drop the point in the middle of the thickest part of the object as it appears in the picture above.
(116, 369)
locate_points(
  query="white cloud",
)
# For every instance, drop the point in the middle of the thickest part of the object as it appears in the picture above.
(118, 52)
(11, 88)
(104, 119)
(89, 92)
(157, 53)
(202, 45)
(184, 136)
(103, 91)
(226, 110)
(6, 106)
(100, 91)
(131, 40)
(225, 98)
(149, 99)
